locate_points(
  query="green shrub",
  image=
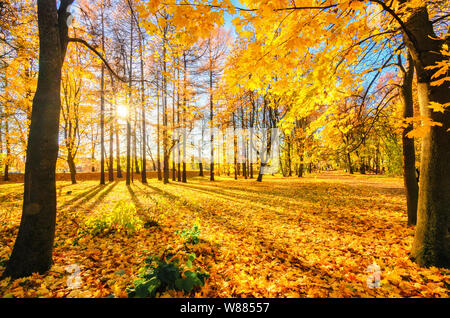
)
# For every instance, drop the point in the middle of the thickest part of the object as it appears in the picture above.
(160, 275)
(190, 236)
(123, 218)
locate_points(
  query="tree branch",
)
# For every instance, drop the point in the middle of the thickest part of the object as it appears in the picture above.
(256, 9)
(397, 18)
(90, 47)
(440, 18)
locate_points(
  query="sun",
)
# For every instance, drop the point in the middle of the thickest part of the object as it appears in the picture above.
(122, 111)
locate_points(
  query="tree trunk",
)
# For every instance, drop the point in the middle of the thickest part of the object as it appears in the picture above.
(144, 133)
(409, 170)
(362, 167)
(349, 164)
(184, 177)
(8, 151)
(178, 126)
(300, 168)
(102, 111)
(111, 146)
(164, 112)
(263, 160)
(377, 159)
(200, 167)
(235, 148)
(289, 161)
(431, 246)
(211, 117)
(102, 130)
(135, 155)
(174, 169)
(158, 140)
(33, 248)
(72, 168)
(130, 102)
(119, 169)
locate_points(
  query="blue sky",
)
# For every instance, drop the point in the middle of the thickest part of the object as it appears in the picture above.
(228, 17)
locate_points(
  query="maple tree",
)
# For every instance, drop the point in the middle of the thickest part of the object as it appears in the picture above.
(290, 92)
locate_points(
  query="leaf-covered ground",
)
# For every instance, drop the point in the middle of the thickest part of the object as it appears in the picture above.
(284, 237)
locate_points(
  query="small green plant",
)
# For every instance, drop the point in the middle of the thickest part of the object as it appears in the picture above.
(123, 218)
(190, 236)
(161, 274)
(151, 222)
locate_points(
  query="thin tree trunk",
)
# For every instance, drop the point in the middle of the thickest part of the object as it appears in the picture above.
(301, 166)
(263, 160)
(102, 109)
(211, 117)
(349, 163)
(244, 164)
(173, 125)
(130, 97)
(8, 151)
(289, 156)
(165, 137)
(144, 133)
(92, 151)
(158, 140)
(409, 171)
(178, 126)
(235, 148)
(135, 155)
(116, 124)
(111, 144)
(72, 168)
(184, 177)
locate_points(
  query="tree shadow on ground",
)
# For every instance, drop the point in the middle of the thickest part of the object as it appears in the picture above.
(86, 195)
(137, 203)
(101, 197)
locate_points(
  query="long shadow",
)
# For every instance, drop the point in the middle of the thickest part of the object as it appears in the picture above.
(136, 201)
(269, 248)
(62, 186)
(211, 217)
(11, 197)
(175, 198)
(276, 190)
(393, 191)
(328, 217)
(88, 194)
(102, 196)
(257, 196)
(308, 193)
(227, 196)
(162, 192)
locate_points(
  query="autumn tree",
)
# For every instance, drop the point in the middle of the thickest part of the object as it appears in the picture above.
(33, 248)
(34, 244)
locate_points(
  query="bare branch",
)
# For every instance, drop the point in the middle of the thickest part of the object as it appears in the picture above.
(90, 47)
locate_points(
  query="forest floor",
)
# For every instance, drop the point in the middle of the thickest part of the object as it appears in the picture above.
(284, 237)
